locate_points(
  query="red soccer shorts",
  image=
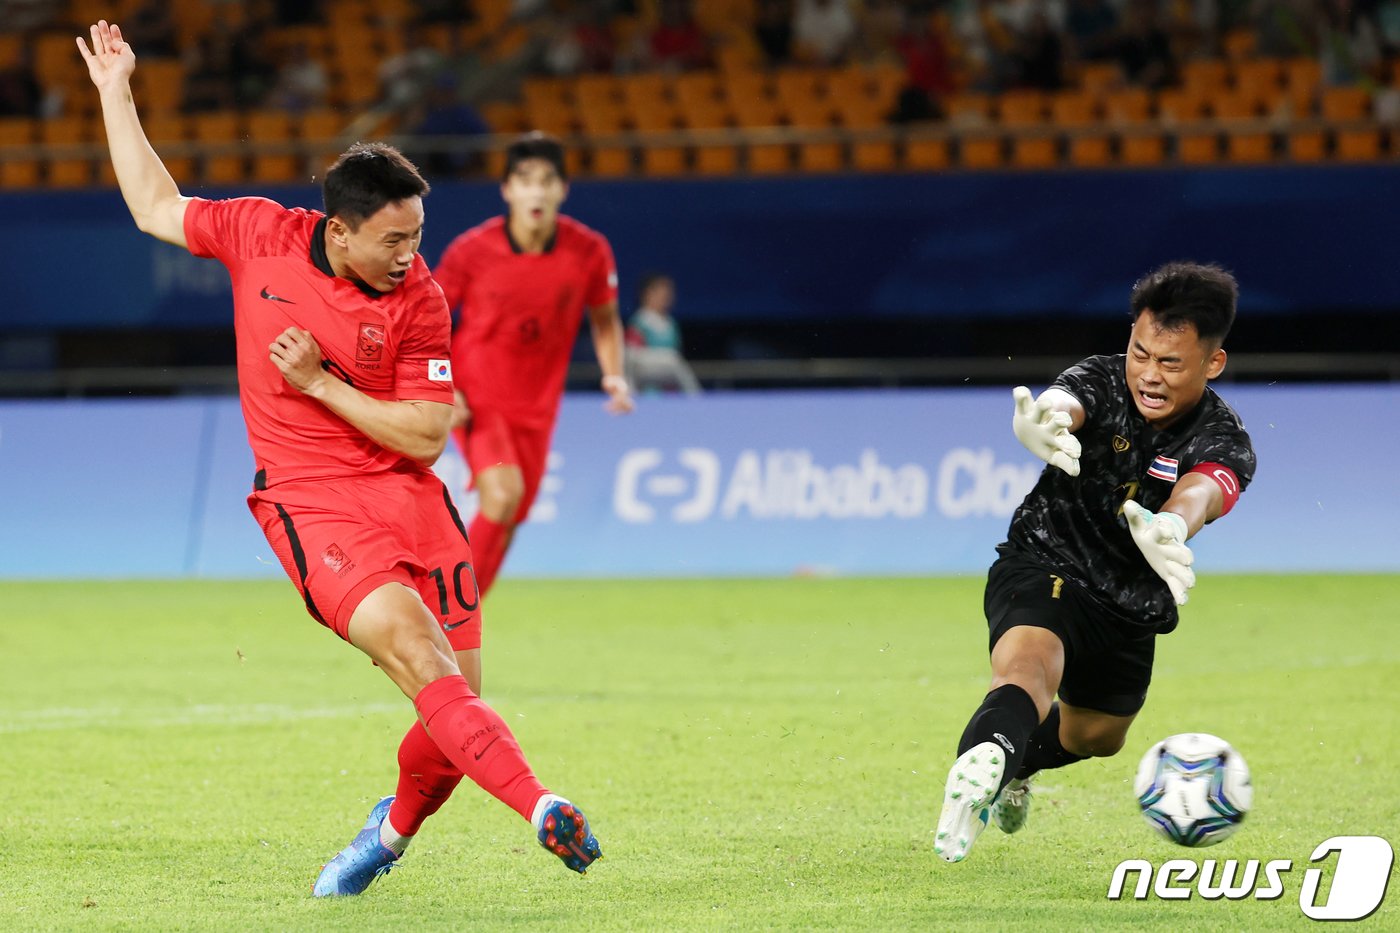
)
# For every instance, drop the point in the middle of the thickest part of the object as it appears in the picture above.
(341, 540)
(490, 439)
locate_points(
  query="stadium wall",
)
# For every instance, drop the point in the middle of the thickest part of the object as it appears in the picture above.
(1301, 239)
(908, 482)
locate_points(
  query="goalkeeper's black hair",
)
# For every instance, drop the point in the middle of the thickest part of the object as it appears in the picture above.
(366, 177)
(1181, 293)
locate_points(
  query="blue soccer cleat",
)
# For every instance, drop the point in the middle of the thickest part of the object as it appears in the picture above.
(359, 863)
(564, 831)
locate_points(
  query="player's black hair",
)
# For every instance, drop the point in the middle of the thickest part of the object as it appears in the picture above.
(366, 177)
(535, 145)
(1181, 293)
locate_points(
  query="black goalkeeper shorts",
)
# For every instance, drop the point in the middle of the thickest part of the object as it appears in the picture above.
(1107, 668)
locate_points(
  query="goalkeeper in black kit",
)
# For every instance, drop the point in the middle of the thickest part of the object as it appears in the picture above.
(1142, 454)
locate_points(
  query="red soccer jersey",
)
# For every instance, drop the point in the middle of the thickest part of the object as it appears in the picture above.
(393, 346)
(520, 313)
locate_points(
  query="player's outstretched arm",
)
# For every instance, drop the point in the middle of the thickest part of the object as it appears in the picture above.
(150, 193)
(1045, 425)
(415, 429)
(606, 326)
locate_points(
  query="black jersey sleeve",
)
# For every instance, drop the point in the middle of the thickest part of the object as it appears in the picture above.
(1092, 382)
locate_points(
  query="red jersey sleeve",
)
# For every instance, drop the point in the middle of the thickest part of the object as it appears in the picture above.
(233, 229)
(423, 366)
(602, 276)
(452, 273)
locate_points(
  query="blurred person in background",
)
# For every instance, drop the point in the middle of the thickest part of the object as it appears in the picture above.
(654, 360)
(773, 30)
(822, 31)
(345, 385)
(677, 43)
(520, 286)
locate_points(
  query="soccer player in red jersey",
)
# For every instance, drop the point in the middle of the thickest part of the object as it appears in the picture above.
(345, 381)
(522, 283)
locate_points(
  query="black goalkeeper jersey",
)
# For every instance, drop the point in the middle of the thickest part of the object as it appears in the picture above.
(1075, 527)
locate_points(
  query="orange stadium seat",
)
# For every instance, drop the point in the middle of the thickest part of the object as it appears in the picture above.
(820, 157)
(18, 173)
(1239, 44)
(1243, 143)
(809, 112)
(1198, 148)
(1260, 79)
(67, 131)
(1088, 144)
(163, 128)
(798, 85)
(220, 128)
(545, 92)
(929, 154)
(1302, 78)
(160, 85)
(557, 117)
(596, 90)
(754, 112)
(695, 88)
(1140, 147)
(1100, 78)
(1128, 107)
(1205, 76)
(1307, 146)
(644, 90)
(968, 109)
(1340, 104)
(504, 117)
(610, 161)
(743, 86)
(1180, 105)
(978, 150)
(1359, 145)
(273, 126)
(769, 159)
(716, 160)
(704, 115)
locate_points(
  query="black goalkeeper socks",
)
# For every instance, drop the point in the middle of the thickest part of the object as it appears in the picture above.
(1044, 750)
(1006, 717)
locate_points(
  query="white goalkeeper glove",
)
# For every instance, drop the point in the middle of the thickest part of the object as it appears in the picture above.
(1045, 431)
(1162, 540)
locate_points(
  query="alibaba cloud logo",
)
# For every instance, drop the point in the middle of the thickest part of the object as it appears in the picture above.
(640, 485)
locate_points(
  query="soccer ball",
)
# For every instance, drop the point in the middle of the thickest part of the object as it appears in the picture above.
(1193, 788)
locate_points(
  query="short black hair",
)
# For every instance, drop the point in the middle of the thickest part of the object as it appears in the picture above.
(366, 177)
(1181, 293)
(535, 145)
(650, 279)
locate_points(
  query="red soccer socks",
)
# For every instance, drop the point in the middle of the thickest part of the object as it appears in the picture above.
(489, 542)
(426, 779)
(476, 740)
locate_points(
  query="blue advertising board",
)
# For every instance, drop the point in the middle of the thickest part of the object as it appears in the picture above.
(867, 482)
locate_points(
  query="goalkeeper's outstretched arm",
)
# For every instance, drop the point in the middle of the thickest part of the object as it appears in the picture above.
(150, 193)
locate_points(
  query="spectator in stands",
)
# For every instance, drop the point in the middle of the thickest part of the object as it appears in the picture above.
(25, 15)
(1284, 27)
(1349, 44)
(985, 44)
(678, 43)
(582, 42)
(773, 30)
(442, 112)
(653, 358)
(407, 76)
(881, 23)
(1092, 29)
(20, 94)
(822, 31)
(928, 68)
(1038, 55)
(153, 28)
(302, 83)
(1144, 49)
(209, 75)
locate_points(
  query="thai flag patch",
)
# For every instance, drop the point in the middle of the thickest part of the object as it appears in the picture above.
(441, 371)
(1164, 468)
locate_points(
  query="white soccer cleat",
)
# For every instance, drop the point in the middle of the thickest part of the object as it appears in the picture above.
(967, 798)
(1013, 806)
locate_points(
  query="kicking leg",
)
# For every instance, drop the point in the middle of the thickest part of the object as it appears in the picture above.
(1027, 663)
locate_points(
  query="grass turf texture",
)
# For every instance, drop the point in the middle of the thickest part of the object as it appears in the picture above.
(752, 754)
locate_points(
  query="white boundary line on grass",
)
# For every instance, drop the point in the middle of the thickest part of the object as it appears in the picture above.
(59, 718)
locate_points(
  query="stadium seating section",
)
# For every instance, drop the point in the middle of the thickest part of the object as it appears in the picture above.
(735, 117)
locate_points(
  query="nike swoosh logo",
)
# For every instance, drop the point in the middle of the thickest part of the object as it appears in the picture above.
(271, 297)
(493, 741)
(449, 626)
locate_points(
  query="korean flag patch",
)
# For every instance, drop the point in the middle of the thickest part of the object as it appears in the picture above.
(440, 370)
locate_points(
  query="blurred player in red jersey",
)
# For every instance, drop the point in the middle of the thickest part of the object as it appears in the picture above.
(345, 381)
(523, 282)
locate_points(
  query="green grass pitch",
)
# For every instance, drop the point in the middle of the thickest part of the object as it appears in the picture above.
(754, 755)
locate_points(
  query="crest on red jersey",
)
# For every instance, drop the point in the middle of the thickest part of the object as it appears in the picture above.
(370, 346)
